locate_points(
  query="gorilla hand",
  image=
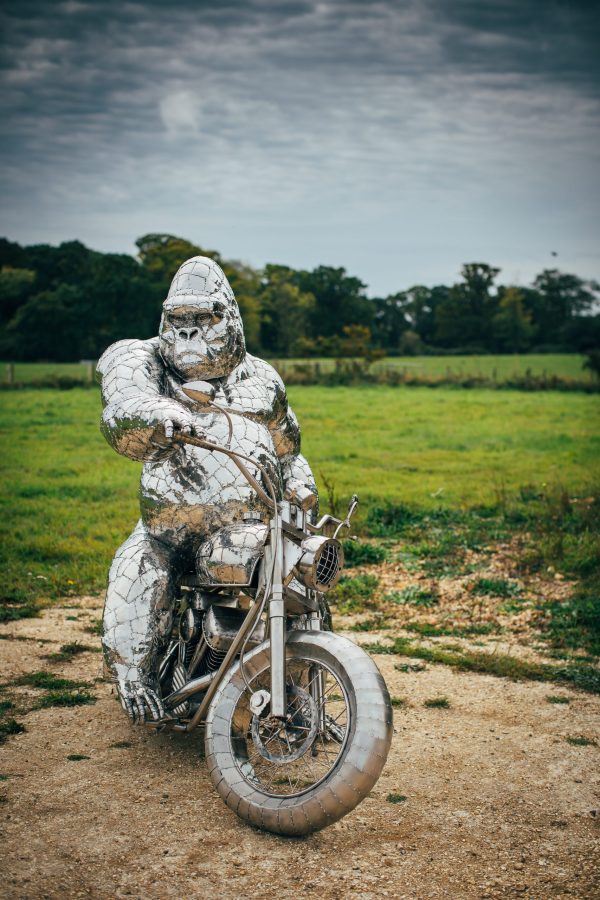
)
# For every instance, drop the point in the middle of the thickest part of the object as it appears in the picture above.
(137, 699)
(300, 494)
(173, 419)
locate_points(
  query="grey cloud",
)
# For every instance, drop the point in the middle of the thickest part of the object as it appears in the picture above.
(329, 112)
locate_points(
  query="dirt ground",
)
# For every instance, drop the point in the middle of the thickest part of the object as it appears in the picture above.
(497, 802)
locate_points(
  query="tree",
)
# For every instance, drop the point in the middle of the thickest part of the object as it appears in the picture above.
(340, 300)
(512, 326)
(49, 326)
(15, 288)
(464, 318)
(285, 311)
(556, 300)
(390, 320)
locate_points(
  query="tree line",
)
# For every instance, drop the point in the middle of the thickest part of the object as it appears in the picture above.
(68, 303)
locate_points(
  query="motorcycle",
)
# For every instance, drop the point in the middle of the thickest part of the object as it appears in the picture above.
(298, 720)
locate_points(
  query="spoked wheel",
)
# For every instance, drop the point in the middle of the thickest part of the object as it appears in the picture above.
(298, 774)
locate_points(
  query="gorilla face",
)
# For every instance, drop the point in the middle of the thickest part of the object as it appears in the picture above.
(201, 337)
(201, 331)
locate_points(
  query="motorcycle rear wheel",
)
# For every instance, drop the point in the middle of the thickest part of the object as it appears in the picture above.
(325, 760)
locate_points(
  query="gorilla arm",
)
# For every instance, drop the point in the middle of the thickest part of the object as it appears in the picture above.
(298, 479)
(136, 408)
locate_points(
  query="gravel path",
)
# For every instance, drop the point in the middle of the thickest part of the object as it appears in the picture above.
(496, 802)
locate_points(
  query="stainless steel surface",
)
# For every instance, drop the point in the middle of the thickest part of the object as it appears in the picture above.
(314, 791)
(188, 690)
(320, 565)
(231, 555)
(221, 625)
(298, 729)
(276, 612)
(187, 492)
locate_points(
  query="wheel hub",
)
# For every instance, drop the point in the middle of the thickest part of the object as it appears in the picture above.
(286, 740)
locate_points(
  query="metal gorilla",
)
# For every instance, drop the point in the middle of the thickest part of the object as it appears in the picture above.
(186, 493)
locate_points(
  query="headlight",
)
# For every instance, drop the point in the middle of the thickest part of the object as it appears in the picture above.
(321, 563)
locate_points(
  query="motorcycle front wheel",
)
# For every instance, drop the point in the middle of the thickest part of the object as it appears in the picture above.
(300, 774)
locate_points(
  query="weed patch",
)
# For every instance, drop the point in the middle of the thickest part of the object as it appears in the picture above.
(47, 681)
(64, 698)
(437, 703)
(399, 702)
(354, 594)
(121, 745)
(586, 678)
(359, 553)
(410, 667)
(415, 595)
(496, 587)
(396, 798)
(68, 652)
(558, 699)
(580, 741)
(427, 630)
(12, 613)
(9, 728)
(77, 757)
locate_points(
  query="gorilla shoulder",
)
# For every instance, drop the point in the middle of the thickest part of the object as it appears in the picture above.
(130, 352)
(265, 371)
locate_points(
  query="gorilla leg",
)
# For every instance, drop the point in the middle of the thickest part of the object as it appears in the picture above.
(138, 614)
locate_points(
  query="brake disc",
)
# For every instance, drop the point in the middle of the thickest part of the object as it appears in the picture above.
(286, 740)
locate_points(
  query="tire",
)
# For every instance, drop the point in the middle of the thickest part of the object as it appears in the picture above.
(364, 739)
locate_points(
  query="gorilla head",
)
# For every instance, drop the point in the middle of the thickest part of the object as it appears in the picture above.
(201, 331)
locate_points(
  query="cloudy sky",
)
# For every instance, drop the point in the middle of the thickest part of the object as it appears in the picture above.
(397, 139)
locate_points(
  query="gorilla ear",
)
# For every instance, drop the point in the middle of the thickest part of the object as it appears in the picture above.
(200, 391)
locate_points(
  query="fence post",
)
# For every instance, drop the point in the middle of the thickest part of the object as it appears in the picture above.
(10, 373)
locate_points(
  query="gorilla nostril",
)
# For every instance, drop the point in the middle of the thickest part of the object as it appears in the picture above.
(188, 334)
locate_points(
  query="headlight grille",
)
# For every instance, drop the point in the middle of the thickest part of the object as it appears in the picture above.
(321, 563)
(328, 565)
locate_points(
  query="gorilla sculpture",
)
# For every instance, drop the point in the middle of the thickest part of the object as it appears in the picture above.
(187, 493)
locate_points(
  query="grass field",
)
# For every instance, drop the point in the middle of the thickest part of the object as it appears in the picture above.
(67, 500)
(567, 365)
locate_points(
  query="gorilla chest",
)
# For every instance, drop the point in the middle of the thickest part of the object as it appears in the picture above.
(195, 490)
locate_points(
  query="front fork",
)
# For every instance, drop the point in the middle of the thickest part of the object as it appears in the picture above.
(277, 627)
(277, 619)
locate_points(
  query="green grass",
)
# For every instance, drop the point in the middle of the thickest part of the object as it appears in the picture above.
(69, 651)
(447, 448)
(444, 471)
(399, 702)
(568, 365)
(557, 699)
(377, 623)
(26, 372)
(353, 594)
(48, 682)
(358, 553)
(583, 677)
(415, 595)
(10, 727)
(580, 741)
(427, 630)
(495, 587)
(396, 798)
(64, 698)
(437, 703)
